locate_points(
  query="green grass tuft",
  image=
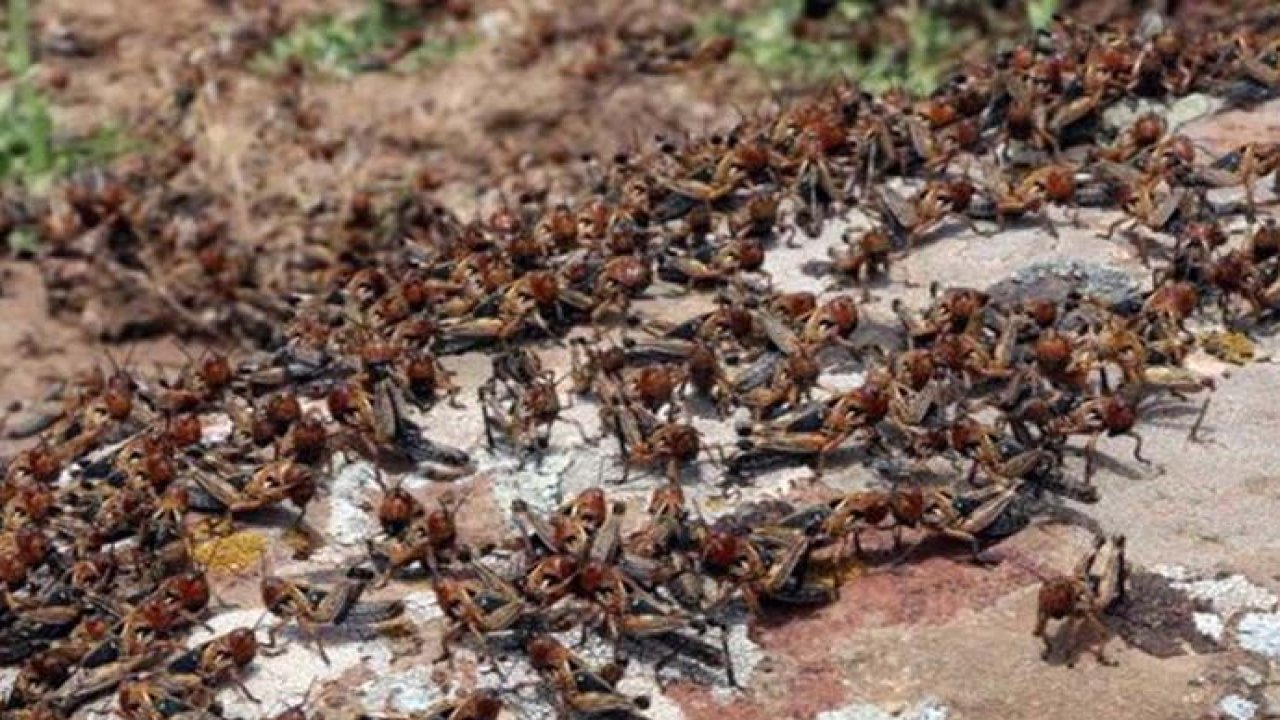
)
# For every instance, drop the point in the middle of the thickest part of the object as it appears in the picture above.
(343, 46)
(765, 40)
(32, 154)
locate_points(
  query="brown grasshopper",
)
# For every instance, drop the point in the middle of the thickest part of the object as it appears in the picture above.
(580, 688)
(481, 605)
(151, 623)
(311, 606)
(969, 517)
(527, 407)
(558, 534)
(1113, 415)
(587, 523)
(1242, 167)
(838, 419)
(760, 566)
(701, 364)
(630, 612)
(90, 683)
(723, 265)
(152, 697)
(666, 527)
(375, 412)
(911, 220)
(589, 363)
(222, 659)
(1145, 207)
(855, 513)
(645, 440)
(794, 376)
(867, 255)
(41, 674)
(428, 538)
(269, 485)
(1097, 587)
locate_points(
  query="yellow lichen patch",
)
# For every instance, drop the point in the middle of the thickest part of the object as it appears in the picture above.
(1228, 346)
(233, 554)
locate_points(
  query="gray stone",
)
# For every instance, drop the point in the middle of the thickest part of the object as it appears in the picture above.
(1054, 280)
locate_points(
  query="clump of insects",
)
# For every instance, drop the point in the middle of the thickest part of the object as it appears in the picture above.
(971, 406)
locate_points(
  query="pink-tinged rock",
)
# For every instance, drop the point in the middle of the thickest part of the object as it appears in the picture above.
(803, 673)
(785, 689)
(932, 590)
(1227, 131)
(480, 521)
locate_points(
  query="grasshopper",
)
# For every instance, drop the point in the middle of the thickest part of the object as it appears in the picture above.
(429, 538)
(311, 606)
(481, 605)
(970, 517)
(580, 688)
(270, 485)
(90, 683)
(216, 661)
(155, 698)
(1096, 587)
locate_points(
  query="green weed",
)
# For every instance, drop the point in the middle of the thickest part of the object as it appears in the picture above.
(917, 60)
(344, 46)
(32, 154)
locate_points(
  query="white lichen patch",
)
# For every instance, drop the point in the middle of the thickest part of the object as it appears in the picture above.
(1177, 573)
(1229, 595)
(660, 707)
(843, 382)
(403, 691)
(539, 484)
(350, 520)
(1238, 708)
(1260, 633)
(7, 678)
(422, 607)
(215, 429)
(1209, 625)
(930, 709)
(856, 711)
